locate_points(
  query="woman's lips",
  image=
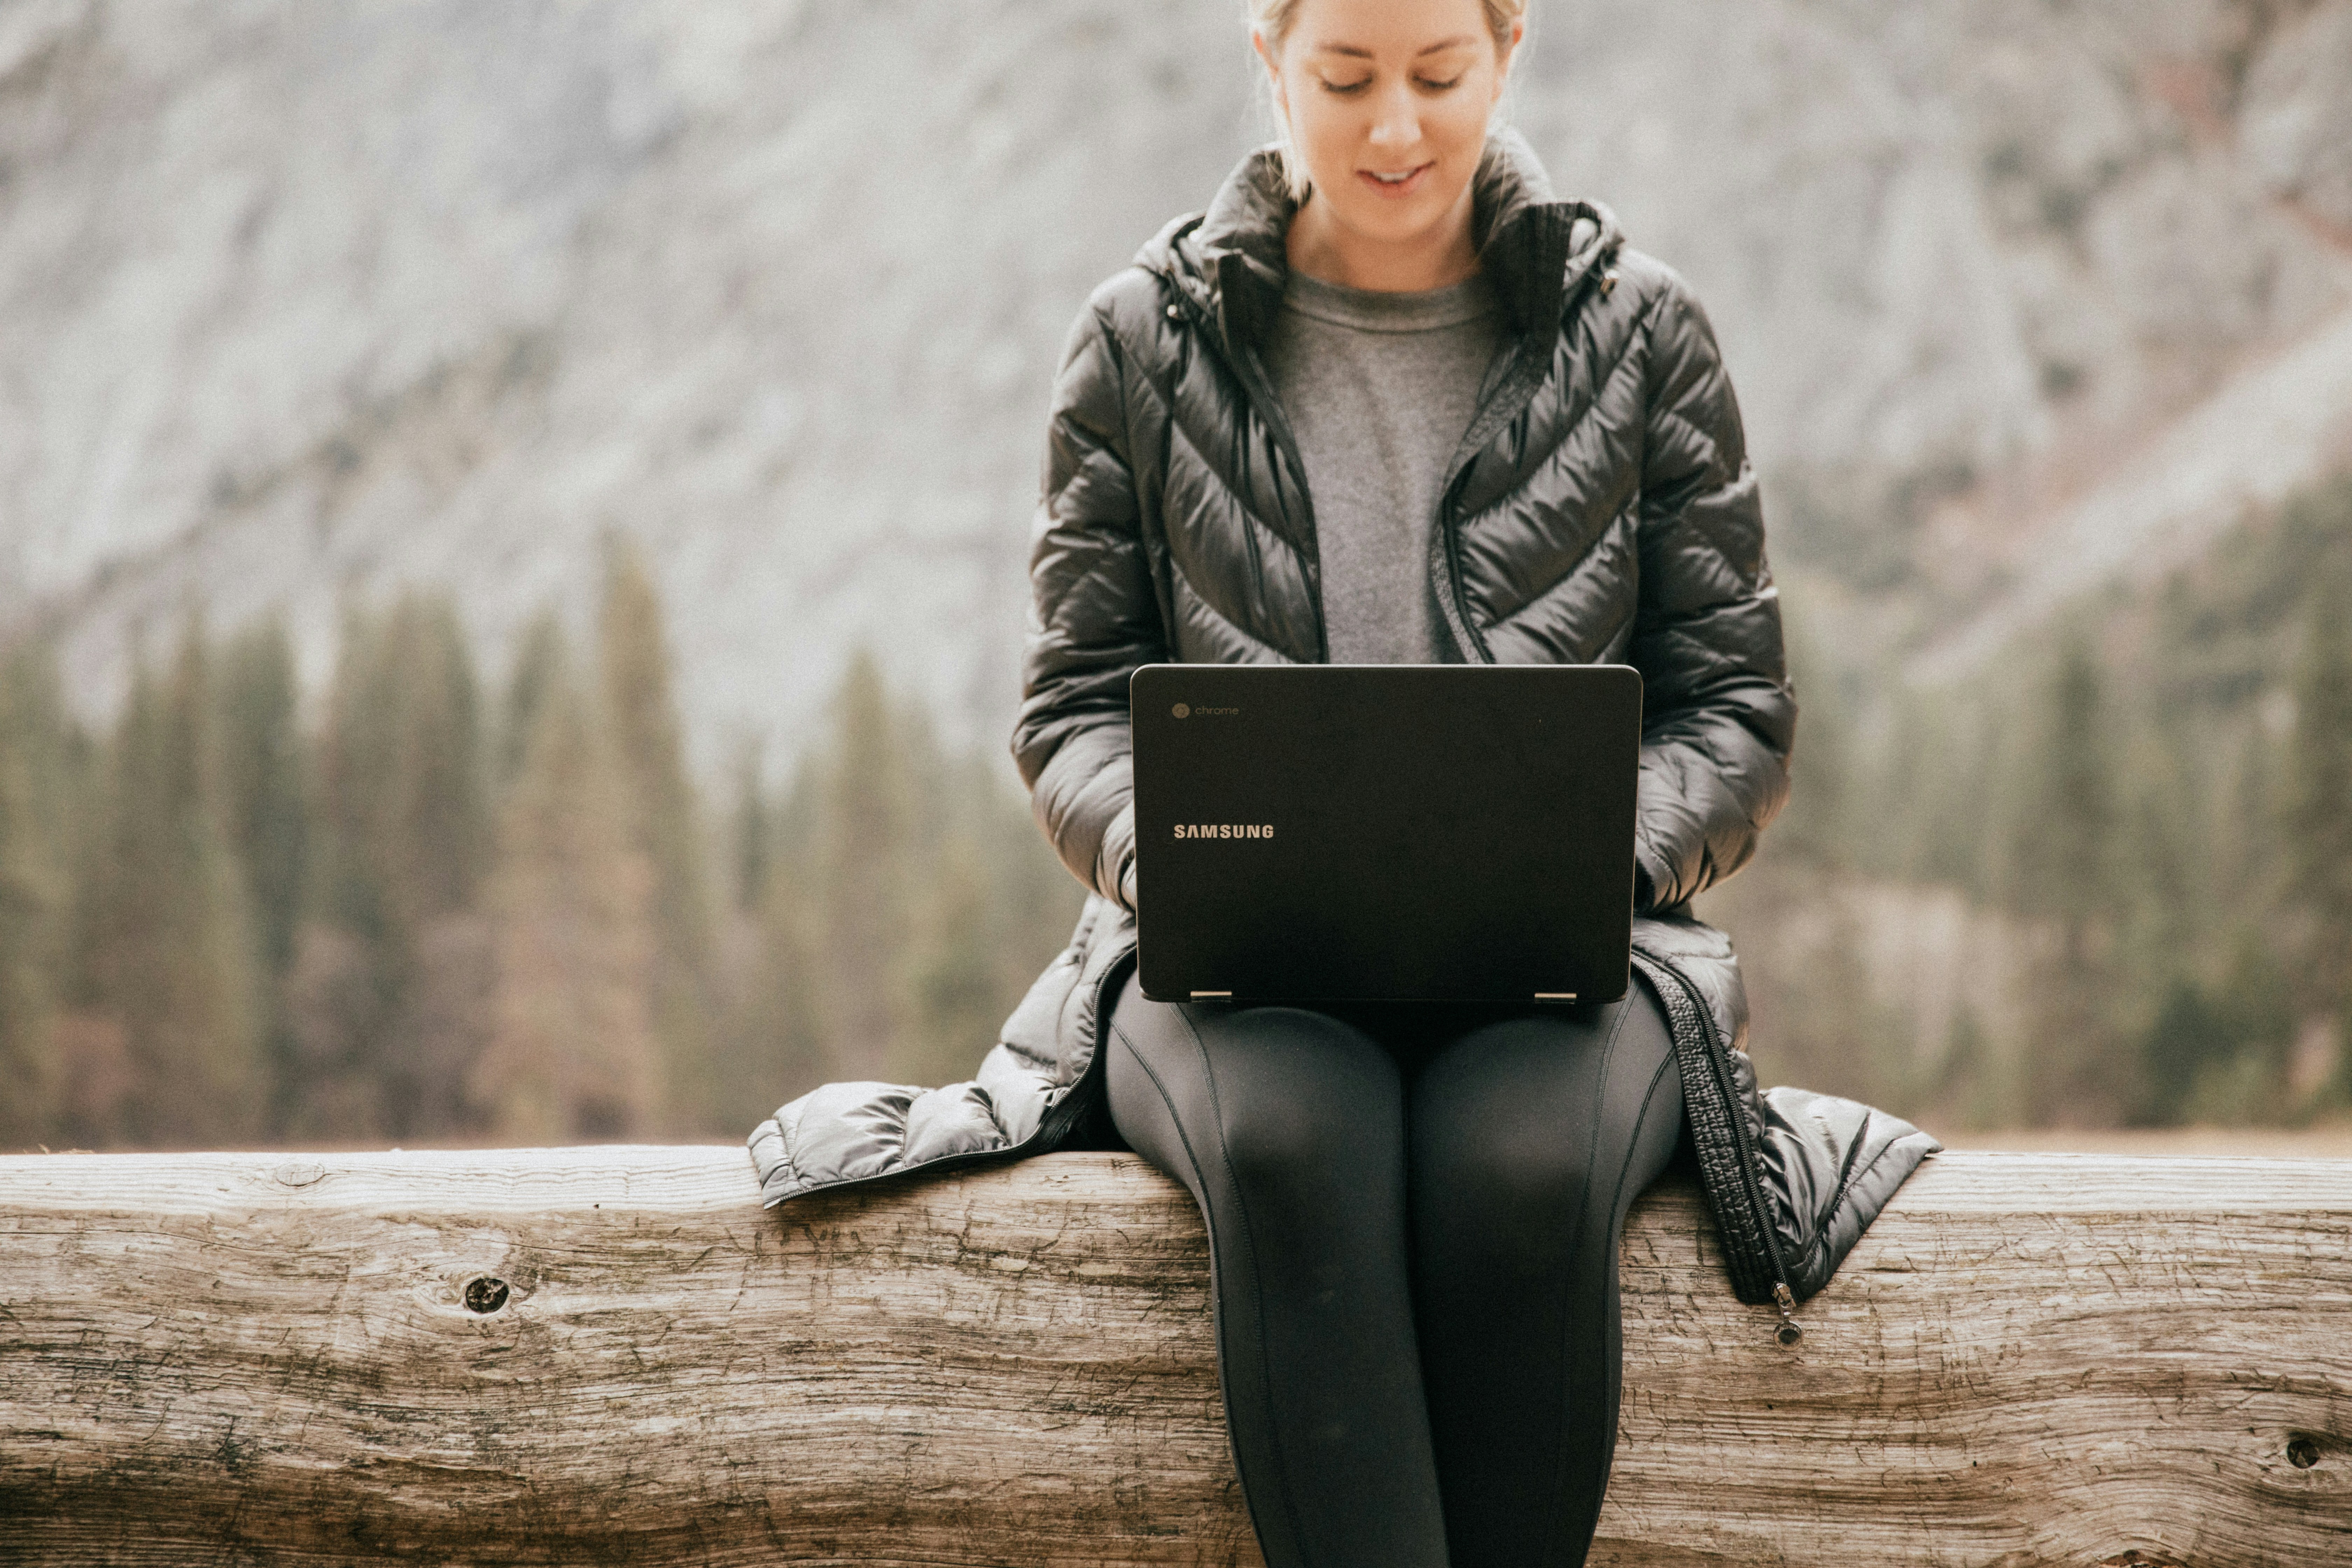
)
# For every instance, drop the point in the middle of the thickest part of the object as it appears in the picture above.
(1394, 190)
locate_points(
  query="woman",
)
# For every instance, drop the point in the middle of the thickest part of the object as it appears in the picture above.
(1389, 401)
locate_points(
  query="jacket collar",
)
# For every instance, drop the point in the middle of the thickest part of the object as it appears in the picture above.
(1534, 246)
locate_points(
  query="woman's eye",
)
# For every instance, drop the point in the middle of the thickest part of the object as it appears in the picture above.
(1345, 88)
(1453, 82)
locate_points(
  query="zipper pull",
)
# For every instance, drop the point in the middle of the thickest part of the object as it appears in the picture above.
(1785, 1304)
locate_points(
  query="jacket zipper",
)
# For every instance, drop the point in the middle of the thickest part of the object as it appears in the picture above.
(1521, 390)
(1518, 388)
(1784, 1300)
(1260, 392)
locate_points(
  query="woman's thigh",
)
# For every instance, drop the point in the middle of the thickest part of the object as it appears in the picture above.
(1531, 1136)
(1289, 1127)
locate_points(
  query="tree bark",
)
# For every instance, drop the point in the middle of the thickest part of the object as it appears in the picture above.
(613, 1355)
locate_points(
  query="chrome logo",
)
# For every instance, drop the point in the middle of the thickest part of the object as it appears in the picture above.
(1182, 711)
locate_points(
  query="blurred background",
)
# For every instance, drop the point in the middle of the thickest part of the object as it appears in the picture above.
(514, 519)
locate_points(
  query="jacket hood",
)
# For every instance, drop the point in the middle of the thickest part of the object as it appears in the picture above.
(1232, 260)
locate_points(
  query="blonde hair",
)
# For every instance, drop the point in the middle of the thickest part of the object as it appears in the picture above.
(1272, 19)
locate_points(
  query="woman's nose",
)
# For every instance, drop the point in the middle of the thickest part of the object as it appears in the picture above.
(1396, 121)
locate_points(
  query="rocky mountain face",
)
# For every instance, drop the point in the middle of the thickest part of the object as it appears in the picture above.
(303, 302)
(1967, 258)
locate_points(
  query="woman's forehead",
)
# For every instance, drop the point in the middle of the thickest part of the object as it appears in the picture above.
(1366, 29)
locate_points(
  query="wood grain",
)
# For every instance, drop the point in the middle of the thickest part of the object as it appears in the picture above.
(263, 1359)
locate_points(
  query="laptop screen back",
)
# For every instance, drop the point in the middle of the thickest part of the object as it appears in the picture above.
(1375, 832)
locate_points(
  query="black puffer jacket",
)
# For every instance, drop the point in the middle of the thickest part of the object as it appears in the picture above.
(1601, 508)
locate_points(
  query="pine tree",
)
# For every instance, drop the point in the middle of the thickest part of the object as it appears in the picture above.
(2061, 868)
(2319, 795)
(38, 798)
(262, 768)
(2064, 835)
(2162, 872)
(776, 1047)
(664, 827)
(267, 808)
(401, 770)
(539, 665)
(405, 820)
(572, 1052)
(2246, 837)
(2187, 1041)
(752, 841)
(1034, 901)
(867, 819)
(429, 820)
(1923, 807)
(952, 998)
(165, 953)
(775, 1039)
(743, 1041)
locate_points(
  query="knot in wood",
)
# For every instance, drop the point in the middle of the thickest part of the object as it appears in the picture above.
(2302, 1453)
(485, 1294)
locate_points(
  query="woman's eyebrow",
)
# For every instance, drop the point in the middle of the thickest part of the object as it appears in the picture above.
(1353, 52)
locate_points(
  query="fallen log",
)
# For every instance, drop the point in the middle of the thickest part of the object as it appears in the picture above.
(614, 1355)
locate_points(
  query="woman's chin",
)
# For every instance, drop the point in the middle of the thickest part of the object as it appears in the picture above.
(1383, 221)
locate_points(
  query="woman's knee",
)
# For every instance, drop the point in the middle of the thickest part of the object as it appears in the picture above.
(1303, 1100)
(1530, 1109)
(1507, 1114)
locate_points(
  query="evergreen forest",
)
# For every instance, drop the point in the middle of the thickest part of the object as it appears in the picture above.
(2104, 880)
(420, 907)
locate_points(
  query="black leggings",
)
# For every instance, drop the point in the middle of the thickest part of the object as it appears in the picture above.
(1413, 1213)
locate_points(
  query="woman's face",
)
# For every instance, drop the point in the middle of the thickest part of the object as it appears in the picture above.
(1388, 103)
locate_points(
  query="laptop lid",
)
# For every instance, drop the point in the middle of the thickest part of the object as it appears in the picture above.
(1385, 832)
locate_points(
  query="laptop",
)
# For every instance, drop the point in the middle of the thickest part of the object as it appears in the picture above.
(1385, 832)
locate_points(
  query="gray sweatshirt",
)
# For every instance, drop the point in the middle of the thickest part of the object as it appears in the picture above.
(1379, 389)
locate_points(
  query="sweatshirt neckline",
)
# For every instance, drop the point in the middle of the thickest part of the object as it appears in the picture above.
(1370, 311)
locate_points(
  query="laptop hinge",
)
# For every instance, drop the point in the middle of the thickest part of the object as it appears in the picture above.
(1210, 995)
(1555, 995)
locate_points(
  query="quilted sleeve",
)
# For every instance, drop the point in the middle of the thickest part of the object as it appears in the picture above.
(1094, 619)
(1719, 716)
